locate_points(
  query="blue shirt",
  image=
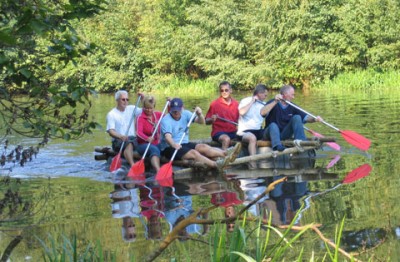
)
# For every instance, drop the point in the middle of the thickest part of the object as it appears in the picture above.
(281, 115)
(175, 127)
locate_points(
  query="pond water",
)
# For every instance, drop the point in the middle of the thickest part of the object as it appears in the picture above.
(66, 192)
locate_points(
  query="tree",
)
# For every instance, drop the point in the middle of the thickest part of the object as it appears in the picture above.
(36, 40)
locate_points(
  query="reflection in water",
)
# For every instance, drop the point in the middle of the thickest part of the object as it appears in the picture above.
(160, 208)
(286, 197)
(151, 203)
(228, 201)
(125, 206)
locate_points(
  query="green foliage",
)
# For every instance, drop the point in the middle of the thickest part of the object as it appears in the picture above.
(58, 52)
(145, 43)
(37, 39)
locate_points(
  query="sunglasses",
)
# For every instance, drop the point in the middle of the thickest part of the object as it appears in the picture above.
(124, 99)
(224, 90)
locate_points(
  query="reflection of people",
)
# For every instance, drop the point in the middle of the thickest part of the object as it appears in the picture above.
(222, 114)
(173, 127)
(228, 200)
(152, 205)
(118, 120)
(282, 120)
(250, 120)
(126, 206)
(287, 197)
(128, 229)
(177, 209)
(146, 124)
(252, 188)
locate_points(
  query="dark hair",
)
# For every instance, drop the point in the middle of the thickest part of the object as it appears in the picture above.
(224, 83)
(285, 88)
(260, 88)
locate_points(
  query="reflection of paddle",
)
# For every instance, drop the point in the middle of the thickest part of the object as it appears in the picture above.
(351, 137)
(333, 161)
(116, 161)
(227, 120)
(138, 167)
(330, 144)
(357, 174)
(165, 171)
(354, 175)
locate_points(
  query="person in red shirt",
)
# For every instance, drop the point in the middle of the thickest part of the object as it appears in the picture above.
(223, 115)
(146, 123)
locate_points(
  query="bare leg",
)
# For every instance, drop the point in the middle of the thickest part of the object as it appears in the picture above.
(196, 156)
(210, 152)
(252, 147)
(128, 154)
(225, 141)
(155, 162)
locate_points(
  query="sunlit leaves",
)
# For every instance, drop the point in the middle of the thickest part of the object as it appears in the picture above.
(37, 40)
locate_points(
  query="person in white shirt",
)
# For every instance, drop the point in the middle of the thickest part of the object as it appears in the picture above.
(120, 127)
(250, 120)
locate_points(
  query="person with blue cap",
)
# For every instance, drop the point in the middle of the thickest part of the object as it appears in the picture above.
(174, 128)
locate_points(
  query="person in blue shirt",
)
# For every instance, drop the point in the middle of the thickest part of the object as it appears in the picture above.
(174, 127)
(283, 121)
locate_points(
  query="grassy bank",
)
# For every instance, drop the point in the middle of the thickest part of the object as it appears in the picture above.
(367, 80)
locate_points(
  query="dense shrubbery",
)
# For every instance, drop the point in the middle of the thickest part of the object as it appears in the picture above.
(59, 52)
(146, 44)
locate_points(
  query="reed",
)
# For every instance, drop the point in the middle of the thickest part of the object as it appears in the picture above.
(67, 250)
(362, 80)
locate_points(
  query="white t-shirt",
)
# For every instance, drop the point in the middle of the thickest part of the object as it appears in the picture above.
(253, 119)
(119, 121)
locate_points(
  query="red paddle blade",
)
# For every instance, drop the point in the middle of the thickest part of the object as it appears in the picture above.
(357, 174)
(116, 163)
(137, 169)
(164, 172)
(166, 182)
(330, 144)
(356, 139)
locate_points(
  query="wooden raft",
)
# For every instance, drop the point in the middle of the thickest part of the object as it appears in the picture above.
(106, 153)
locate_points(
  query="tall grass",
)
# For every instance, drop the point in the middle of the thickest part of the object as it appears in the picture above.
(362, 80)
(257, 244)
(68, 250)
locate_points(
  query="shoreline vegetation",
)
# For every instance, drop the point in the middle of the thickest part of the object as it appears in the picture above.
(362, 80)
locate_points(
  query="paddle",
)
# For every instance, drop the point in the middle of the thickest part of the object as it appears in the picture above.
(351, 137)
(330, 144)
(356, 174)
(116, 161)
(138, 168)
(165, 171)
(227, 120)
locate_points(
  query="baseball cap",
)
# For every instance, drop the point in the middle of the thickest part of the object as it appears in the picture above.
(176, 104)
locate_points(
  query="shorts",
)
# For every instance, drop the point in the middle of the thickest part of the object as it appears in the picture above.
(257, 132)
(152, 151)
(232, 135)
(169, 151)
(117, 143)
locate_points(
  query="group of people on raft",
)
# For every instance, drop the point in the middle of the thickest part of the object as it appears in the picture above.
(230, 119)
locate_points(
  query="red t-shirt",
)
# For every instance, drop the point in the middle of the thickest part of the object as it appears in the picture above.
(225, 199)
(145, 128)
(228, 111)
